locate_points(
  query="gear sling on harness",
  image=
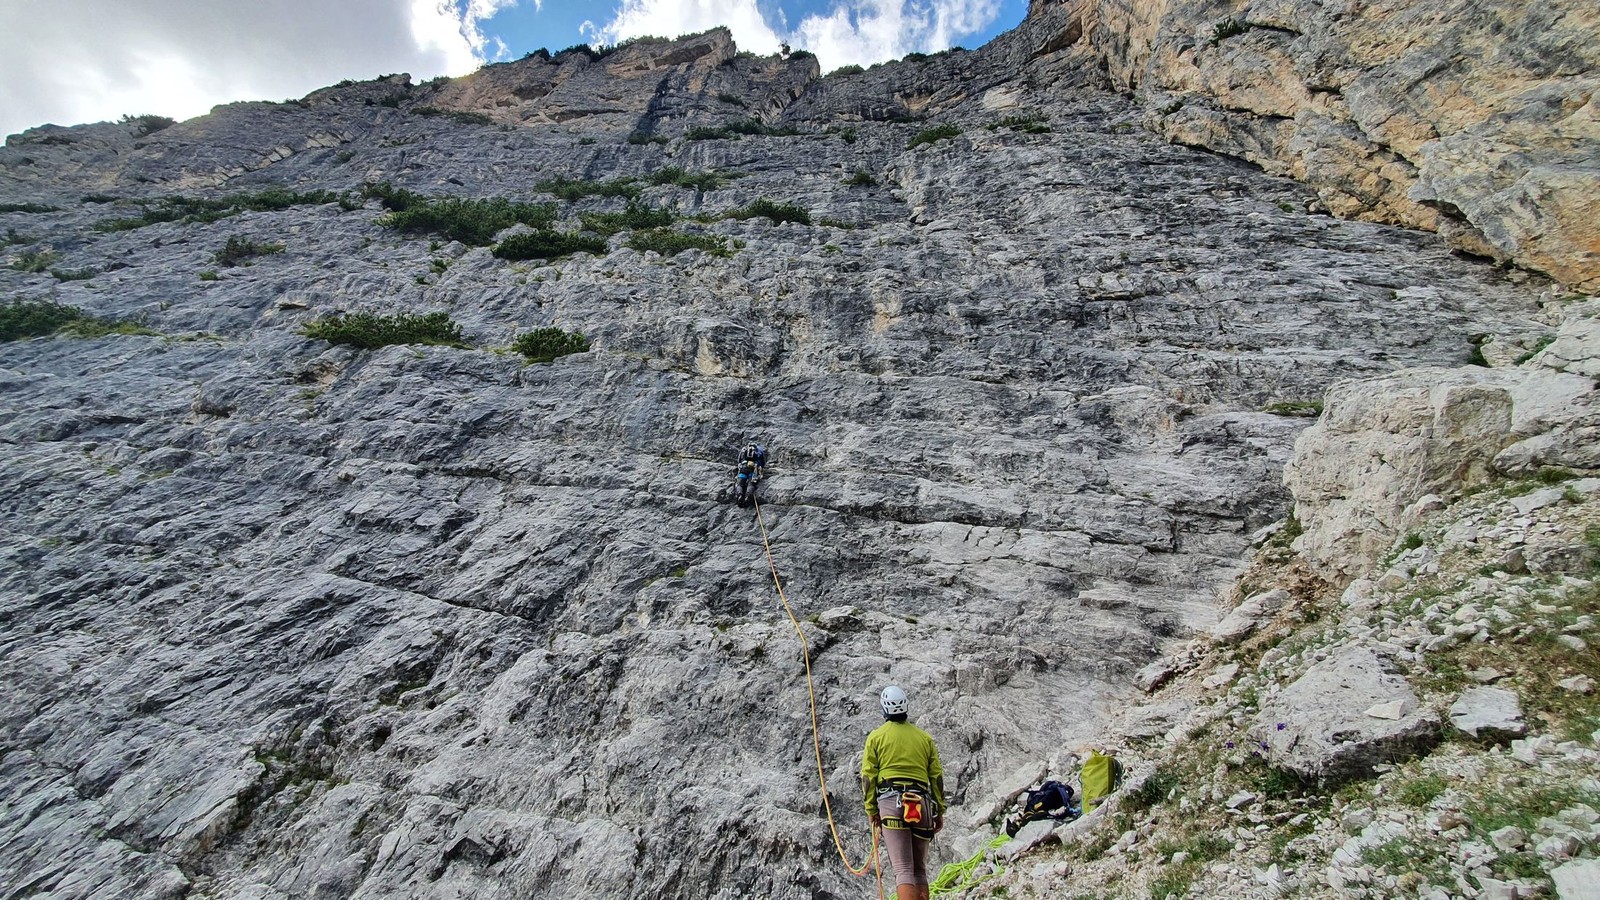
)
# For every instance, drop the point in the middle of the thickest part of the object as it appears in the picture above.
(915, 801)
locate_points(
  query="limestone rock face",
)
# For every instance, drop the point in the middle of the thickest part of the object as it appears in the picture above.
(1476, 118)
(284, 618)
(1384, 443)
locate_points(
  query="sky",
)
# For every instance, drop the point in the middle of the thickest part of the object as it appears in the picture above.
(66, 62)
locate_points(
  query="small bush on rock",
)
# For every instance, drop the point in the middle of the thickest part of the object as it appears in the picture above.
(189, 210)
(637, 215)
(545, 344)
(368, 330)
(32, 318)
(35, 318)
(35, 261)
(147, 124)
(547, 245)
(930, 135)
(700, 181)
(777, 212)
(474, 222)
(239, 251)
(667, 242)
(736, 130)
(25, 208)
(1228, 28)
(578, 188)
(1307, 408)
(464, 117)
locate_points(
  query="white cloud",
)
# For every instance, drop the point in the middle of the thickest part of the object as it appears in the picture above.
(71, 61)
(859, 32)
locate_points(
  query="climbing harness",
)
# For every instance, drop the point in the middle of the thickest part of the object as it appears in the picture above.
(872, 862)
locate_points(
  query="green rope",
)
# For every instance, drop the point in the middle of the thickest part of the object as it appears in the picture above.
(958, 876)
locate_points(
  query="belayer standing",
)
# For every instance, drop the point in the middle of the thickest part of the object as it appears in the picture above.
(902, 786)
(752, 468)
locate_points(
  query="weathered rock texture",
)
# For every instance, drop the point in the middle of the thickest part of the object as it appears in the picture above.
(285, 619)
(1383, 444)
(1472, 117)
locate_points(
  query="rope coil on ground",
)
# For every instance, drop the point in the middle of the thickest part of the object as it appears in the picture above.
(872, 862)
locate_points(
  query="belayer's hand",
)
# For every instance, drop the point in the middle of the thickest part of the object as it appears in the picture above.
(938, 824)
(877, 820)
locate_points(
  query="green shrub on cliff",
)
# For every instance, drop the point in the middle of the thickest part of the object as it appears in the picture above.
(545, 344)
(930, 135)
(369, 331)
(464, 117)
(700, 181)
(35, 318)
(147, 124)
(190, 210)
(667, 242)
(547, 245)
(474, 222)
(777, 212)
(637, 215)
(1227, 28)
(35, 261)
(32, 318)
(239, 251)
(736, 130)
(579, 188)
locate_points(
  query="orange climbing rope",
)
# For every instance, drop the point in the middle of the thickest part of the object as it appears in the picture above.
(873, 862)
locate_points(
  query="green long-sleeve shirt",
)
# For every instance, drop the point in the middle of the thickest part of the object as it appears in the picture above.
(900, 750)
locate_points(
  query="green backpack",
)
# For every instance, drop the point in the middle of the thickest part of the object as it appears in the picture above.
(1101, 775)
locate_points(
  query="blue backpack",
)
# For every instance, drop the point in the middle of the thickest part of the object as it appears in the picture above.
(1051, 800)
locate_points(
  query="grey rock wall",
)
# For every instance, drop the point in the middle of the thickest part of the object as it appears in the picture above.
(285, 619)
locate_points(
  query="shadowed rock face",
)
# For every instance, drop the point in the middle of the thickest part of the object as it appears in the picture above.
(282, 619)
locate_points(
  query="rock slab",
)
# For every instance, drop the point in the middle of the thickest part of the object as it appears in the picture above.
(1327, 736)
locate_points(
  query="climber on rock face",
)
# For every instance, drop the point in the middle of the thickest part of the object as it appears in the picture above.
(756, 453)
(902, 786)
(752, 467)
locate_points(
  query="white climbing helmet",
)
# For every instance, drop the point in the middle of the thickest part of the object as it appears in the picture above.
(893, 700)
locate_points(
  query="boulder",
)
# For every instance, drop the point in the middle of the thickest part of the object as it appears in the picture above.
(1156, 673)
(1383, 444)
(1577, 880)
(1488, 712)
(1248, 615)
(1319, 729)
(1027, 837)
